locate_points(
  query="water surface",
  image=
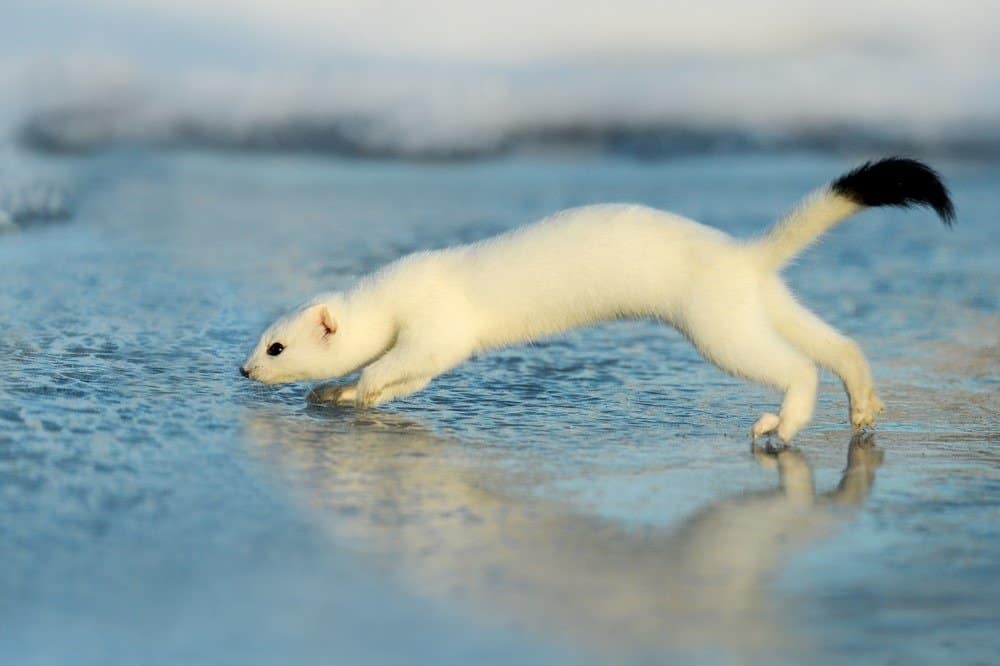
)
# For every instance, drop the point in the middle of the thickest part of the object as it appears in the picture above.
(590, 497)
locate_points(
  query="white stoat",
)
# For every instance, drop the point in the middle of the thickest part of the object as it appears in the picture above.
(430, 311)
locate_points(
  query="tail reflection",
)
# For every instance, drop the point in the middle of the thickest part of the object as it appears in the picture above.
(417, 505)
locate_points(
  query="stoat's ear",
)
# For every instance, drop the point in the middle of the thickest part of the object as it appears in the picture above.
(325, 319)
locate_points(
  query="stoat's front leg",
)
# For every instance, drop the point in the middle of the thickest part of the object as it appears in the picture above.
(408, 367)
(334, 394)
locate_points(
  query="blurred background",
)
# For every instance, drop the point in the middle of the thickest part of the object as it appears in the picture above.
(444, 79)
(175, 173)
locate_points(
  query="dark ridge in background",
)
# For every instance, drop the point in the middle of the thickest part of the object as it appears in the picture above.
(75, 131)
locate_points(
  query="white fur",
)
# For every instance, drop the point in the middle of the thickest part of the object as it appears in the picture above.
(428, 312)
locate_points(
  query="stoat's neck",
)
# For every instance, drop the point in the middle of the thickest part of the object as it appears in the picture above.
(369, 323)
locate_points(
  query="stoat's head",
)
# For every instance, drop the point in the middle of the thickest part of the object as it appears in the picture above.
(300, 346)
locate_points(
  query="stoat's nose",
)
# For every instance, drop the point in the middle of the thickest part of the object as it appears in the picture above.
(244, 371)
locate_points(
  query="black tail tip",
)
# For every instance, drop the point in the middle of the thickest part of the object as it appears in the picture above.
(897, 181)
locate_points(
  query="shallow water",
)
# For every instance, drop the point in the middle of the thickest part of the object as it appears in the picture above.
(591, 497)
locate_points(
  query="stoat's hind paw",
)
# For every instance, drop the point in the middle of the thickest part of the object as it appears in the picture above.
(332, 394)
(864, 413)
(767, 424)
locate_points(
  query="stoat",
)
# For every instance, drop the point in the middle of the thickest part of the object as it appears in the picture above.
(425, 313)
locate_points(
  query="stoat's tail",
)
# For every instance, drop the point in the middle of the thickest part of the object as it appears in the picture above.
(893, 181)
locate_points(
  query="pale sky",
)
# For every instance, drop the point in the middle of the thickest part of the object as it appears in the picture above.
(522, 32)
(519, 32)
(918, 65)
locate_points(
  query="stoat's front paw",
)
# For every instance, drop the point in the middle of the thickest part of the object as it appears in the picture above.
(337, 395)
(367, 396)
(865, 411)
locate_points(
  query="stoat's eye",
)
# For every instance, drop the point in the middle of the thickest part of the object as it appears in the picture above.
(275, 349)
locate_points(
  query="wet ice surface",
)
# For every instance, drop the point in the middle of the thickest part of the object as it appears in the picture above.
(591, 496)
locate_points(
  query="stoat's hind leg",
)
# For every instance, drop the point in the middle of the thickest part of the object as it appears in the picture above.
(742, 342)
(829, 348)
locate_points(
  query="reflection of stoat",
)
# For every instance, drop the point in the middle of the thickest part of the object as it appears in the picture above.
(430, 311)
(414, 504)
